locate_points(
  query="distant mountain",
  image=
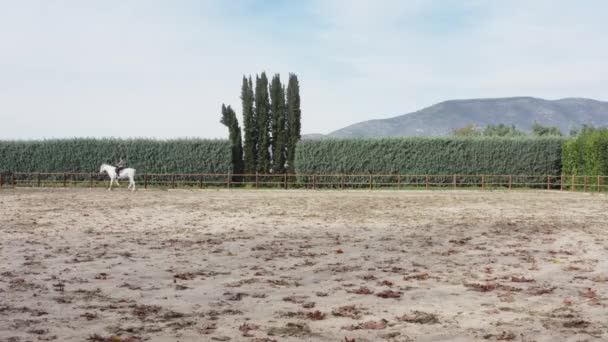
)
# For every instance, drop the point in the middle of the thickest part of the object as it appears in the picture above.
(523, 112)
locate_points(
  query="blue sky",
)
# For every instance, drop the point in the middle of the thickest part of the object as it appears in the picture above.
(163, 68)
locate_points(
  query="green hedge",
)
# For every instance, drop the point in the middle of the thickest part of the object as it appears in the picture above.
(435, 156)
(145, 155)
(587, 154)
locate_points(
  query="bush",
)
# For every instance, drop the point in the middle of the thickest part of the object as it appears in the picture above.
(587, 153)
(145, 155)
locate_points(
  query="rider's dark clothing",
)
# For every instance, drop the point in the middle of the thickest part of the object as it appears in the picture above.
(119, 167)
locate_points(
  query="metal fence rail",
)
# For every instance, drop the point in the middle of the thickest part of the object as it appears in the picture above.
(314, 181)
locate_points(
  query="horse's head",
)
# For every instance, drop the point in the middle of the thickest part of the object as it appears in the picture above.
(103, 168)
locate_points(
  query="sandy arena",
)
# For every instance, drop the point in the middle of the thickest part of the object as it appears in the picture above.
(88, 265)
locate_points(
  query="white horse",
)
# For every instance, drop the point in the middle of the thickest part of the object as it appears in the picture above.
(127, 173)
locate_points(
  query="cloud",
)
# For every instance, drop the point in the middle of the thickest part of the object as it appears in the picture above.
(152, 68)
(547, 49)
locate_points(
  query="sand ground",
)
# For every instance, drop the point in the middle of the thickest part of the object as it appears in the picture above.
(78, 265)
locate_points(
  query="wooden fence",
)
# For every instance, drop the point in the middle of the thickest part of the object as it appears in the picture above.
(315, 181)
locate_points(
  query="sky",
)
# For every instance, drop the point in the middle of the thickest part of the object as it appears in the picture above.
(162, 69)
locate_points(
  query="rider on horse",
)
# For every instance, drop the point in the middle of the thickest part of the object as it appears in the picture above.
(119, 167)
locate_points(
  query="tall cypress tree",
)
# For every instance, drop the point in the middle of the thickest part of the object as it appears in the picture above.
(293, 120)
(230, 120)
(250, 126)
(262, 112)
(279, 133)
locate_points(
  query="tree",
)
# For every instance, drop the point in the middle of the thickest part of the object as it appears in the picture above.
(271, 124)
(585, 129)
(262, 112)
(588, 129)
(540, 130)
(279, 130)
(230, 120)
(502, 130)
(293, 120)
(466, 131)
(250, 127)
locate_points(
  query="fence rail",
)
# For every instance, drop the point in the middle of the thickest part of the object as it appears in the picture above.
(314, 181)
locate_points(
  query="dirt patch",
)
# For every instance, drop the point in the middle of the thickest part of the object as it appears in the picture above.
(302, 265)
(419, 317)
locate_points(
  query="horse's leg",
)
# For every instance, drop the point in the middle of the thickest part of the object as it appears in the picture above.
(110, 188)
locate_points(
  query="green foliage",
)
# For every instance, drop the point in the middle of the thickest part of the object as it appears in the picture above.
(589, 129)
(145, 155)
(250, 127)
(230, 120)
(294, 117)
(570, 157)
(542, 131)
(271, 124)
(262, 112)
(279, 132)
(466, 131)
(434, 156)
(502, 130)
(587, 153)
(585, 129)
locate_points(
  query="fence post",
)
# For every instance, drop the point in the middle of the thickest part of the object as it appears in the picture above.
(256, 180)
(38, 180)
(65, 179)
(371, 184)
(483, 182)
(426, 181)
(585, 186)
(399, 182)
(0, 180)
(454, 182)
(510, 181)
(572, 184)
(342, 182)
(228, 181)
(14, 181)
(285, 175)
(598, 184)
(200, 181)
(91, 180)
(561, 183)
(548, 182)
(314, 182)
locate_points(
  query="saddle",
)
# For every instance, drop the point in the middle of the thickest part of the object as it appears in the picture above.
(118, 169)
